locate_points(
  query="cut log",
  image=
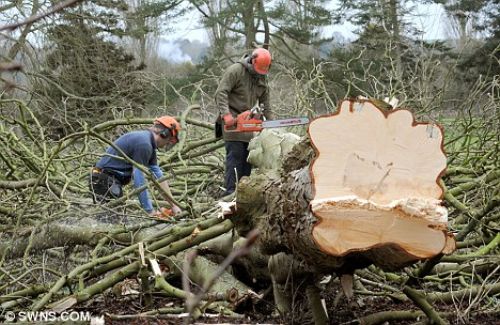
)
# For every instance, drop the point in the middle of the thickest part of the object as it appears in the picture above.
(376, 184)
(368, 193)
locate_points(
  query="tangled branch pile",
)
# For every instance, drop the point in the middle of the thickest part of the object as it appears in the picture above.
(60, 251)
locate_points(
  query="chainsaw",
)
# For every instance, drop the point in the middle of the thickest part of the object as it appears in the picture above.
(252, 121)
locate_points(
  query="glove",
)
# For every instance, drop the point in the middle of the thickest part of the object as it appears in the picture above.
(229, 119)
(163, 213)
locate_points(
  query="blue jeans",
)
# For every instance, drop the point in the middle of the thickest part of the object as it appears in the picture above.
(236, 164)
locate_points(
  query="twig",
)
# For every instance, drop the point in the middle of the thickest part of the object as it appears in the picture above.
(13, 66)
(32, 19)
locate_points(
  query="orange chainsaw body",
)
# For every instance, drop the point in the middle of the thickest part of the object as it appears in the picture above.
(250, 121)
(246, 122)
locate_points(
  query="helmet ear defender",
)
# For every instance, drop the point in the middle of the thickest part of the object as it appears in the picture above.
(249, 60)
(167, 132)
(164, 133)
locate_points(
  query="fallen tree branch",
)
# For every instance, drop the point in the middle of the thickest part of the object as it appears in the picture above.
(193, 301)
(424, 305)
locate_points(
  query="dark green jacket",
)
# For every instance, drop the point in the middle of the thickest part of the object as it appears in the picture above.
(239, 90)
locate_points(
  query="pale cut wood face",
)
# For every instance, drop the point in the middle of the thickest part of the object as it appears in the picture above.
(375, 182)
(348, 226)
(364, 153)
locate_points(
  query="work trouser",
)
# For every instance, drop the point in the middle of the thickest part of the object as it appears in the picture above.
(104, 186)
(236, 164)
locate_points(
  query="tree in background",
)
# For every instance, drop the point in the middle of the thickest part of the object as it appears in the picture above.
(19, 47)
(471, 20)
(145, 21)
(474, 39)
(85, 74)
(489, 53)
(464, 17)
(233, 25)
(383, 48)
(219, 23)
(282, 25)
(297, 25)
(300, 20)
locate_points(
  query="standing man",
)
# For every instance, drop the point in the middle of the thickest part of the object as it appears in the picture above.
(116, 169)
(243, 85)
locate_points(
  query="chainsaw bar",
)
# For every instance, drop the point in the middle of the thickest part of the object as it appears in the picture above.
(285, 122)
(244, 124)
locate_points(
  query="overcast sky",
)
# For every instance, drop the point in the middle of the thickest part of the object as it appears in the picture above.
(430, 18)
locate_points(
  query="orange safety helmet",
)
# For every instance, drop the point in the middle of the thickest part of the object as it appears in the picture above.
(261, 60)
(170, 123)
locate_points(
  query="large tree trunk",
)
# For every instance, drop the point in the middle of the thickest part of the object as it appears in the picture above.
(375, 197)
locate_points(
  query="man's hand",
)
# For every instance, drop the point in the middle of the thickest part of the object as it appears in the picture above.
(229, 119)
(165, 213)
(161, 213)
(246, 115)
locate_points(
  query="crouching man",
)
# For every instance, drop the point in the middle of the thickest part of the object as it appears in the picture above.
(113, 171)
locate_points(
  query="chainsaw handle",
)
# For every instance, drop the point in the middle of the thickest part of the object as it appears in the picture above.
(246, 115)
